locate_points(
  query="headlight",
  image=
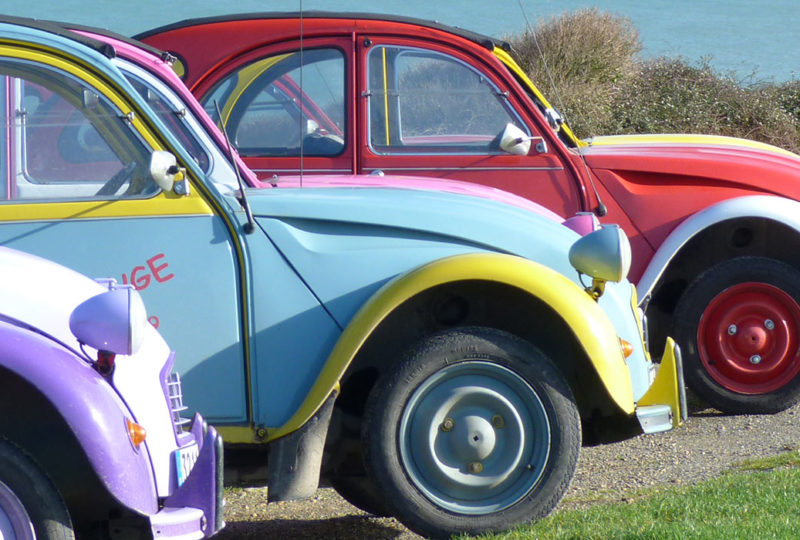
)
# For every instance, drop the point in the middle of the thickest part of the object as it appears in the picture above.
(113, 321)
(604, 255)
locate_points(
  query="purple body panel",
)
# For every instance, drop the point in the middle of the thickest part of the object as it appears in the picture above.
(91, 408)
(202, 488)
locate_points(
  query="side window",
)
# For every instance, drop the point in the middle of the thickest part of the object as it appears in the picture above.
(427, 102)
(66, 141)
(284, 103)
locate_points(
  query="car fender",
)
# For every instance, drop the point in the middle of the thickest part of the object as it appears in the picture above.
(591, 327)
(785, 211)
(91, 409)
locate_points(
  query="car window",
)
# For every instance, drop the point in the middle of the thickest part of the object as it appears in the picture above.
(284, 103)
(423, 101)
(65, 141)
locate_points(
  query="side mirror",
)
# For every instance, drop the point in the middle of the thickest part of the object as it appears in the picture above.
(310, 127)
(167, 175)
(517, 143)
(113, 321)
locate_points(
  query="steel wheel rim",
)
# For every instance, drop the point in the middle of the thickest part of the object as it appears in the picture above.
(496, 420)
(15, 524)
(748, 338)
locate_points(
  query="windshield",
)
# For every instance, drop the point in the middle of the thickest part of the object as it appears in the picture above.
(173, 120)
(178, 117)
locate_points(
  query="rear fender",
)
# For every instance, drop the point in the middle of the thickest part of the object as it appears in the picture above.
(589, 324)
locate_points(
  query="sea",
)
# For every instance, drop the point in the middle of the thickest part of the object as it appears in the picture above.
(752, 40)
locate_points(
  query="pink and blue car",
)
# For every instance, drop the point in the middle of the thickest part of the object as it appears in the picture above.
(409, 344)
(91, 434)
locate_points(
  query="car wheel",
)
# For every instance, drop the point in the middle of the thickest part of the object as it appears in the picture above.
(30, 506)
(738, 325)
(475, 430)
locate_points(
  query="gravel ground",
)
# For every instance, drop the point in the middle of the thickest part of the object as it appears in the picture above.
(707, 444)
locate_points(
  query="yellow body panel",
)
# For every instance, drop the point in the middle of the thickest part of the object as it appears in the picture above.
(586, 319)
(162, 204)
(665, 389)
(687, 139)
(246, 77)
(514, 68)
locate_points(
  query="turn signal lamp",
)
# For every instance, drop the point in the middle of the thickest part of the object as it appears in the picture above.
(626, 346)
(136, 433)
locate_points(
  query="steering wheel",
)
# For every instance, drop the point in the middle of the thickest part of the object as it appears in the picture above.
(115, 182)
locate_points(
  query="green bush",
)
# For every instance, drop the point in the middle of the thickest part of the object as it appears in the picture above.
(594, 76)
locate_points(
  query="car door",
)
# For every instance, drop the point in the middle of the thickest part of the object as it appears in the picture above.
(288, 108)
(76, 189)
(434, 110)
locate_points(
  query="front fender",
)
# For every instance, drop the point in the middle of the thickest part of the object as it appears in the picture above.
(786, 211)
(88, 404)
(588, 322)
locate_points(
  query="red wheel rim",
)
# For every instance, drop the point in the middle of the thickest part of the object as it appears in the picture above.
(748, 338)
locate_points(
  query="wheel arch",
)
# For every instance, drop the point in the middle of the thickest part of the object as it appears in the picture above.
(758, 225)
(492, 288)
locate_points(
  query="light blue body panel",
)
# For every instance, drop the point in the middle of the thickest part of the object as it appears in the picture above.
(186, 273)
(346, 243)
(291, 334)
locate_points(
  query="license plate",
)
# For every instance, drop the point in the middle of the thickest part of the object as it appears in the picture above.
(185, 459)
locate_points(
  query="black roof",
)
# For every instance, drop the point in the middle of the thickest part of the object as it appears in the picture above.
(480, 39)
(60, 30)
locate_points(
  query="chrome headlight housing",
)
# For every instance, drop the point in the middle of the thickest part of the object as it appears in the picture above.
(604, 255)
(113, 321)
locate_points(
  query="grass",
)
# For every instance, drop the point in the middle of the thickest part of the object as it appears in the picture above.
(758, 499)
(587, 63)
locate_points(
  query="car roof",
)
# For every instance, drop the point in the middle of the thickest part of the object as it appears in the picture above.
(65, 30)
(482, 40)
(60, 30)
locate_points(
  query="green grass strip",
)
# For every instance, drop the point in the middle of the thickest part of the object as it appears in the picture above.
(761, 502)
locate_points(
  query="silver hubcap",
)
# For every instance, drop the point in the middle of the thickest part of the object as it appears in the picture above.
(474, 438)
(15, 524)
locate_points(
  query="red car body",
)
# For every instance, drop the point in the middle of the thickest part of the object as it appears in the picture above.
(714, 222)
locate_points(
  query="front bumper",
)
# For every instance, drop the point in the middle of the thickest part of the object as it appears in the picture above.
(194, 510)
(663, 406)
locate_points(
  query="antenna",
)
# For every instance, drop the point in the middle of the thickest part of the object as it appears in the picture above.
(601, 209)
(250, 226)
(302, 96)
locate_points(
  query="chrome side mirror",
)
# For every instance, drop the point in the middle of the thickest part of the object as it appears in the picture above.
(516, 142)
(165, 172)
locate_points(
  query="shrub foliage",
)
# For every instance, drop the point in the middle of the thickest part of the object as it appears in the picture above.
(587, 63)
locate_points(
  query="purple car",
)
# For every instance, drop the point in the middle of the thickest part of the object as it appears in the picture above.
(91, 437)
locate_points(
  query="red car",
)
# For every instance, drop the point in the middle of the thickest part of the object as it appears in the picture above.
(714, 222)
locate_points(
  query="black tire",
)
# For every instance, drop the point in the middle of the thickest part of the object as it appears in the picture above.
(29, 499)
(487, 391)
(738, 326)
